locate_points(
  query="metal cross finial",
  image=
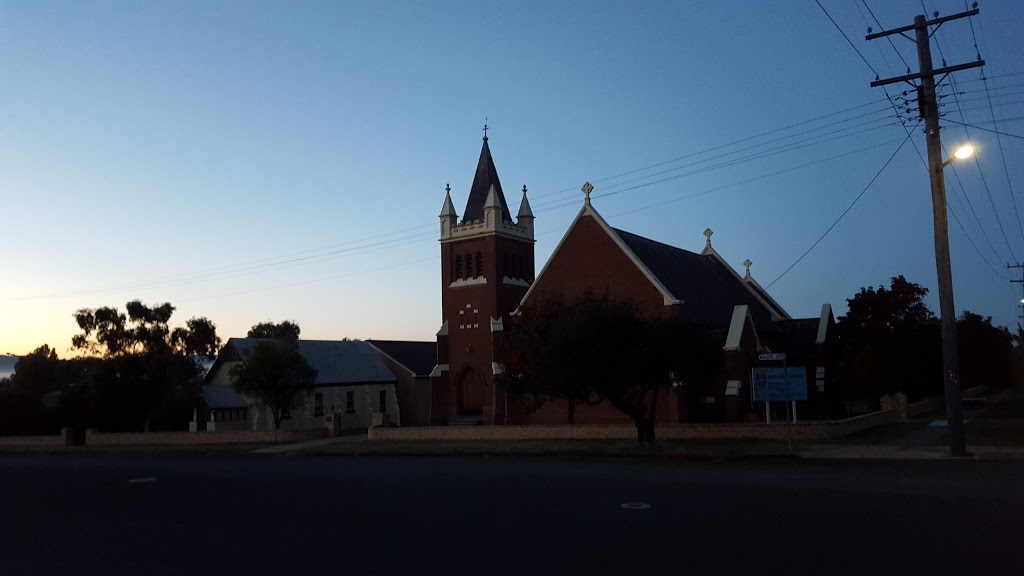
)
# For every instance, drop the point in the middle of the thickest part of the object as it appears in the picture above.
(707, 234)
(747, 264)
(485, 128)
(448, 188)
(524, 189)
(587, 189)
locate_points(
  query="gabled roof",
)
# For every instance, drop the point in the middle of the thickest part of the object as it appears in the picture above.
(708, 290)
(486, 176)
(419, 358)
(218, 397)
(337, 362)
(797, 338)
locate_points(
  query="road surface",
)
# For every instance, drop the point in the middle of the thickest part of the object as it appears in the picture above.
(143, 515)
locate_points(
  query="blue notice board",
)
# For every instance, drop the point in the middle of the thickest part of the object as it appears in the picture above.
(773, 385)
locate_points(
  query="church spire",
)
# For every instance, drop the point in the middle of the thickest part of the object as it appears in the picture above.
(524, 208)
(486, 176)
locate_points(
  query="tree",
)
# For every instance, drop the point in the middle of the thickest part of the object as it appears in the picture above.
(281, 330)
(38, 372)
(595, 348)
(986, 351)
(890, 342)
(275, 374)
(147, 369)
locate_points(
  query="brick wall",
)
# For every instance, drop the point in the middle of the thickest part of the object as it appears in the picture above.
(800, 431)
(30, 441)
(94, 438)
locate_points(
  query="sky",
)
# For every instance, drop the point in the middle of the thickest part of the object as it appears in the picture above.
(250, 161)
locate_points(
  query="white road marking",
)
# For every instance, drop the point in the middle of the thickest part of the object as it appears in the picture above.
(635, 506)
(146, 480)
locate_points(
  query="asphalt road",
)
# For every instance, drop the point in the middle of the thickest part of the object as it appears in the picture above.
(375, 515)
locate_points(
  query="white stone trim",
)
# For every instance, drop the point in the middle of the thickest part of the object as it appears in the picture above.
(772, 311)
(740, 320)
(436, 372)
(515, 282)
(589, 210)
(776, 309)
(732, 388)
(497, 368)
(497, 325)
(826, 317)
(443, 330)
(468, 282)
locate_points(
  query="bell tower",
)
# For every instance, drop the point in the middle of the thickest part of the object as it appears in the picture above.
(487, 266)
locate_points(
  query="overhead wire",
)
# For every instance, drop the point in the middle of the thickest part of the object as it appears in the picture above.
(843, 215)
(895, 107)
(953, 82)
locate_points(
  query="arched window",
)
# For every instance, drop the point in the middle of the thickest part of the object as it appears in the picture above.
(479, 264)
(458, 267)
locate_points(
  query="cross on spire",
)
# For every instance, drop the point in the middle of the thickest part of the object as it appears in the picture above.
(587, 189)
(708, 233)
(485, 128)
(747, 264)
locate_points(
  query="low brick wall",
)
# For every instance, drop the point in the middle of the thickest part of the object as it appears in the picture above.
(938, 403)
(94, 438)
(800, 431)
(915, 409)
(31, 441)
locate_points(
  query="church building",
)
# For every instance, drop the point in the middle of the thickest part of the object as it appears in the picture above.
(487, 272)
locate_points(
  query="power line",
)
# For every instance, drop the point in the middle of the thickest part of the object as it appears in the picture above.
(848, 41)
(991, 130)
(734, 184)
(845, 212)
(889, 38)
(963, 191)
(718, 147)
(748, 158)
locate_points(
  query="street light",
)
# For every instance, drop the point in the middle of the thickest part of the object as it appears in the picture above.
(962, 153)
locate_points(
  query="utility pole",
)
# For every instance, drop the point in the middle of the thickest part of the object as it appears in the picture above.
(1021, 282)
(928, 106)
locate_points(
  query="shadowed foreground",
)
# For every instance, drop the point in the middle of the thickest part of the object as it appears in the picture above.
(382, 515)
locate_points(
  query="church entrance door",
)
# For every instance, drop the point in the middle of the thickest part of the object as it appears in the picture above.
(471, 392)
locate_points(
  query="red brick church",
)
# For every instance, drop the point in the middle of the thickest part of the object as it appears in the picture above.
(487, 272)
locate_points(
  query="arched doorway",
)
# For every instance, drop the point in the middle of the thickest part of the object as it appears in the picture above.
(471, 392)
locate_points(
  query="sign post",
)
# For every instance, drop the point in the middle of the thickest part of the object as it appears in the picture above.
(778, 384)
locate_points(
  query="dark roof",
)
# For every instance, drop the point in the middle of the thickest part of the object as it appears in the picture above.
(336, 362)
(767, 299)
(486, 175)
(417, 357)
(707, 289)
(797, 338)
(217, 397)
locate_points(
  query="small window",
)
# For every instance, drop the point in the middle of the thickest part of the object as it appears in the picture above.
(382, 402)
(318, 404)
(479, 264)
(350, 402)
(458, 267)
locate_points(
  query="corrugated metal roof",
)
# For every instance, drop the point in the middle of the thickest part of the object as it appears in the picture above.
(417, 357)
(336, 362)
(217, 397)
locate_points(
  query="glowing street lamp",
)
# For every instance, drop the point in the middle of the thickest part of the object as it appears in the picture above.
(962, 153)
